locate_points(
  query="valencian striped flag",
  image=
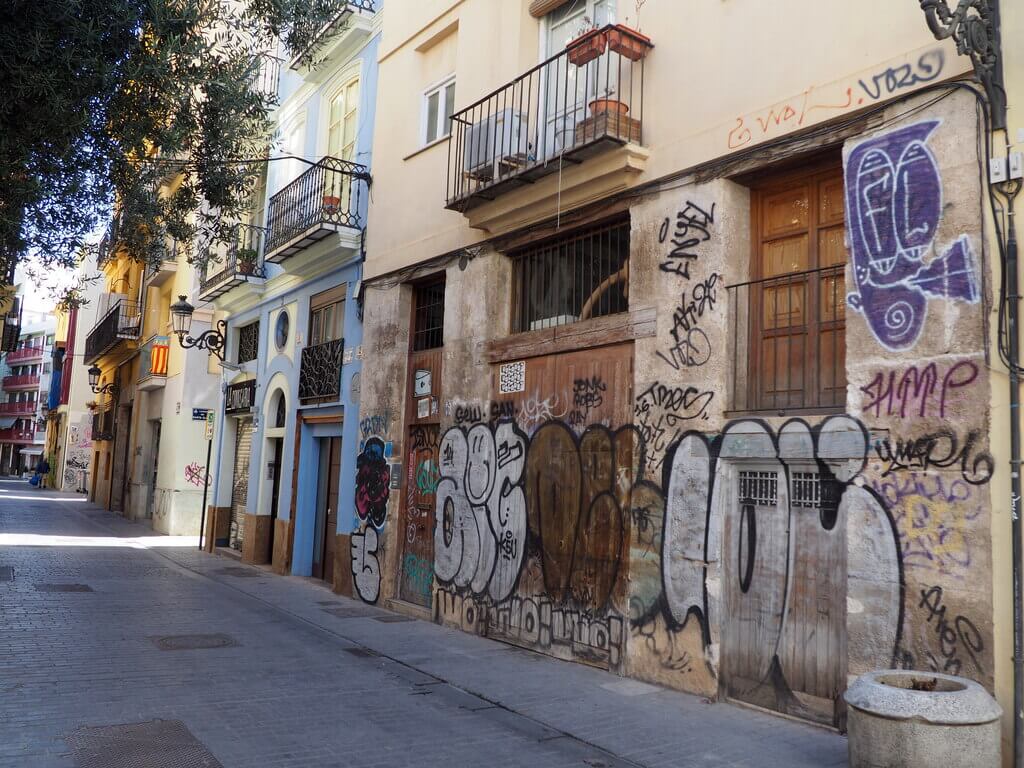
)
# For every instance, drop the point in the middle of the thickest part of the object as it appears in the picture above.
(158, 356)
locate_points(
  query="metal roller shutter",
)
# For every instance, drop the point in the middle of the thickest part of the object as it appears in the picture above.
(240, 481)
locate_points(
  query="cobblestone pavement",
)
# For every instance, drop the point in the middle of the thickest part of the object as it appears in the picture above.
(312, 679)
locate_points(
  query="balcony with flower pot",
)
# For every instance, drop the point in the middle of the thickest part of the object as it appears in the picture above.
(571, 127)
(325, 201)
(235, 263)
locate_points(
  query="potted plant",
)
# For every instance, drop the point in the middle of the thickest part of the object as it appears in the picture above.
(246, 260)
(628, 42)
(604, 104)
(588, 45)
(332, 203)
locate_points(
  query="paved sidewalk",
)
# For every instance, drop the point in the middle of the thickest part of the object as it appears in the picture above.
(312, 679)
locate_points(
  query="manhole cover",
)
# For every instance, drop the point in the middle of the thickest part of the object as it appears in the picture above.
(238, 572)
(363, 653)
(193, 642)
(156, 744)
(393, 618)
(6, 573)
(63, 588)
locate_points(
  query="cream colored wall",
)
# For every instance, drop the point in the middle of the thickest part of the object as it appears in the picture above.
(718, 72)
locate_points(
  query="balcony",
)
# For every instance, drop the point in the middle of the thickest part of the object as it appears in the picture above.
(122, 321)
(153, 363)
(344, 16)
(21, 408)
(102, 425)
(320, 372)
(581, 102)
(23, 381)
(107, 249)
(15, 435)
(25, 354)
(157, 273)
(240, 261)
(325, 199)
(266, 77)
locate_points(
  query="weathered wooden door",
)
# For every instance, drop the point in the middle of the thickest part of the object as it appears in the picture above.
(422, 476)
(327, 508)
(784, 597)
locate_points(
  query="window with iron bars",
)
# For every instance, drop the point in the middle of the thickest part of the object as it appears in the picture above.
(573, 277)
(428, 316)
(248, 342)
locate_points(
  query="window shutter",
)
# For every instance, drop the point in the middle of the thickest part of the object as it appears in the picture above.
(540, 8)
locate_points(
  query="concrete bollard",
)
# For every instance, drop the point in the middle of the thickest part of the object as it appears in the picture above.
(906, 719)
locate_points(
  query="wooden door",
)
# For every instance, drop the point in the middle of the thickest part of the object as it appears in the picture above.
(327, 508)
(240, 482)
(422, 477)
(784, 602)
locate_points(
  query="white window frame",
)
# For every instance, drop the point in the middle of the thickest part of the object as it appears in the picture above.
(439, 88)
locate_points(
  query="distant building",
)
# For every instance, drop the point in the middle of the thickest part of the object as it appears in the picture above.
(25, 387)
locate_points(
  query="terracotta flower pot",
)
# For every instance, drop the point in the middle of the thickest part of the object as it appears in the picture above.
(628, 42)
(586, 47)
(332, 203)
(608, 106)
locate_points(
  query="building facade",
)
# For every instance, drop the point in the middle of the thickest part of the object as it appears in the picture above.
(26, 386)
(288, 419)
(687, 371)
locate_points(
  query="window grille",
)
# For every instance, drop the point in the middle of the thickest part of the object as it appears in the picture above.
(573, 277)
(428, 319)
(761, 488)
(248, 342)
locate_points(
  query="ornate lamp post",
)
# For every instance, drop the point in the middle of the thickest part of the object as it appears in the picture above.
(94, 379)
(181, 322)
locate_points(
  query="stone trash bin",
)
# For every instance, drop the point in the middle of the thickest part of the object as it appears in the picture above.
(900, 718)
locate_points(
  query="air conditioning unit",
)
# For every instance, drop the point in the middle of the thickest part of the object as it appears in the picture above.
(498, 136)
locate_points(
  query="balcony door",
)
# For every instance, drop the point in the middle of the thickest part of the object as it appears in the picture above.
(342, 127)
(568, 88)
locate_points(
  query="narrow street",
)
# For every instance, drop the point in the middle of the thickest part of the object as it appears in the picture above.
(96, 609)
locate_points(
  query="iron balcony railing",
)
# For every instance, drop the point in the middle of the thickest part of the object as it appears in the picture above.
(229, 265)
(789, 342)
(25, 353)
(315, 31)
(579, 102)
(15, 435)
(266, 76)
(323, 199)
(320, 371)
(158, 271)
(103, 425)
(19, 408)
(122, 321)
(153, 357)
(21, 381)
(108, 245)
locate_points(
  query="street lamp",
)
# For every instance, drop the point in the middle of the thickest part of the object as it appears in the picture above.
(181, 322)
(94, 379)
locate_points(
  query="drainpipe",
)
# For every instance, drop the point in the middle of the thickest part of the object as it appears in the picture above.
(1015, 488)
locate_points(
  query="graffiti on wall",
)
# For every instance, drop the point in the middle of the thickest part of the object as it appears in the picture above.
(923, 391)
(373, 483)
(373, 488)
(195, 474)
(691, 229)
(894, 204)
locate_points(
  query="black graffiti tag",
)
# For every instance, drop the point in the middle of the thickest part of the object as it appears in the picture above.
(692, 229)
(939, 450)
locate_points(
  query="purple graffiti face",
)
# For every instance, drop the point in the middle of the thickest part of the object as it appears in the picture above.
(373, 478)
(894, 203)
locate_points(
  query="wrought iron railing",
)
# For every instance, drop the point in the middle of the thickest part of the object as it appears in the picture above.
(559, 112)
(266, 76)
(239, 260)
(103, 424)
(19, 408)
(25, 353)
(788, 338)
(108, 245)
(326, 195)
(15, 435)
(21, 381)
(169, 261)
(240, 397)
(153, 357)
(315, 30)
(320, 372)
(122, 321)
